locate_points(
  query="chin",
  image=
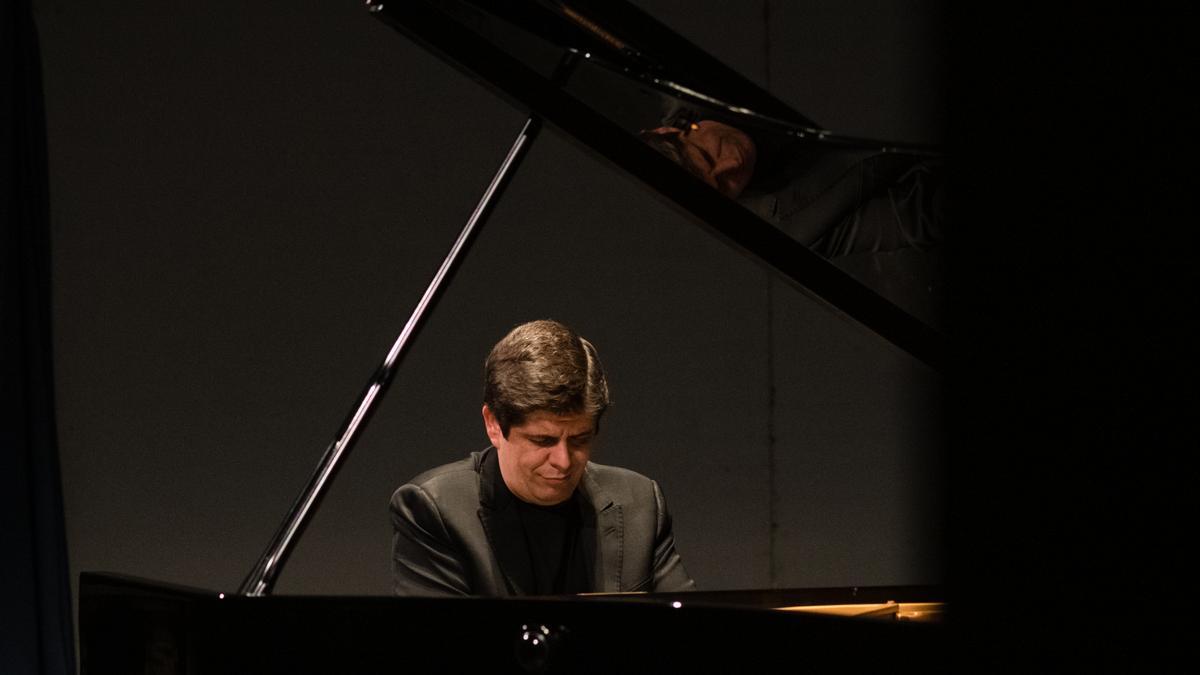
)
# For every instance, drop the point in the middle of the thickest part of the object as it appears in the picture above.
(555, 498)
(551, 497)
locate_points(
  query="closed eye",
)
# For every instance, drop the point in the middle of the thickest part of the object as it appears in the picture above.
(707, 157)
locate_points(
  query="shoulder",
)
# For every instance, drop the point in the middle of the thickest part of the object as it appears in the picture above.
(620, 484)
(463, 469)
(608, 472)
(448, 481)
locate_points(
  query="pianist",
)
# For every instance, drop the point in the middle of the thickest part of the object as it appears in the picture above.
(530, 514)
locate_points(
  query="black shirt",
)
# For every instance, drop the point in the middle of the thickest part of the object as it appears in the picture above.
(552, 541)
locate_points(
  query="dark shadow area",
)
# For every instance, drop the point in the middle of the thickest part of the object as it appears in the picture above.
(36, 633)
(1070, 399)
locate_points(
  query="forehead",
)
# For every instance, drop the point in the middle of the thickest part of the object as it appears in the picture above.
(545, 423)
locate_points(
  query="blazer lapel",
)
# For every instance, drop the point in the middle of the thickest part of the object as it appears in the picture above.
(602, 534)
(502, 525)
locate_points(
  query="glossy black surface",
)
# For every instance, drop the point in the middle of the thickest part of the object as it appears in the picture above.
(130, 625)
(513, 50)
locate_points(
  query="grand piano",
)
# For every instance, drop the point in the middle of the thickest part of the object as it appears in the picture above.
(601, 72)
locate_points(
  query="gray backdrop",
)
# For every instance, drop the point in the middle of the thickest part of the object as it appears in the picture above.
(249, 198)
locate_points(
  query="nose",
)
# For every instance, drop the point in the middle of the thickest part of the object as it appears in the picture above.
(559, 458)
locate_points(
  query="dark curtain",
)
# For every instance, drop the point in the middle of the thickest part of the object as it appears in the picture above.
(1073, 389)
(35, 619)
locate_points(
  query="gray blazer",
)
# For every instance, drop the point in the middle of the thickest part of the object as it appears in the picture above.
(456, 534)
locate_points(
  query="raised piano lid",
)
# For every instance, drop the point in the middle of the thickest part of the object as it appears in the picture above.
(625, 71)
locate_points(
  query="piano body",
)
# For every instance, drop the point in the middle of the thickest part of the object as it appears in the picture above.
(132, 625)
(598, 71)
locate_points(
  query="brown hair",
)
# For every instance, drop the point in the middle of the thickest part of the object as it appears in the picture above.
(543, 365)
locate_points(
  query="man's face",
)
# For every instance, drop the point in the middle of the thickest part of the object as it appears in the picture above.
(542, 459)
(719, 154)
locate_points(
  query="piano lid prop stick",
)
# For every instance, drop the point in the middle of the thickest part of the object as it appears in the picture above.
(261, 579)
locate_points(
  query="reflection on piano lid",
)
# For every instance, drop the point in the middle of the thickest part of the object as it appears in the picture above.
(894, 611)
(898, 603)
(601, 71)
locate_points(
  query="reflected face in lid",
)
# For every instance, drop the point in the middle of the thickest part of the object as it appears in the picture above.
(720, 155)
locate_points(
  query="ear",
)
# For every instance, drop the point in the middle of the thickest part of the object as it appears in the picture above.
(492, 426)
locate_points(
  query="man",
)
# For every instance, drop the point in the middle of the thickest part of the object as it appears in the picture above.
(531, 514)
(836, 201)
(716, 153)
